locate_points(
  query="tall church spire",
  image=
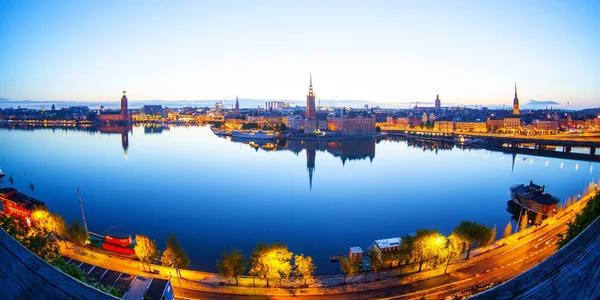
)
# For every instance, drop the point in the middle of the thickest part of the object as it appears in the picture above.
(311, 112)
(516, 102)
(237, 103)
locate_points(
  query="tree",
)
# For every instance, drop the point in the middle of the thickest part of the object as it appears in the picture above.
(453, 248)
(59, 227)
(40, 216)
(145, 249)
(538, 219)
(590, 212)
(77, 234)
(406, 248)
(524, 221)
(376, 263)
(174, 256)
(304, 266)
(349, 266)
(493, 234)
(42, 245)
(473, 234)
(428, 247)
(507, 231)
(271, 261)
(14, 227)
(283, 127)
(232, 264)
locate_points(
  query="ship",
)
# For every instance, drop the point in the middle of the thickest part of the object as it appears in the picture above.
(114, 240)
(219, 132)
(533, 200)
(2, 173)
(253, 135)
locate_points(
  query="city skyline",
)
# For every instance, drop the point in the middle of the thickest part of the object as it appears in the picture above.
(389, 54)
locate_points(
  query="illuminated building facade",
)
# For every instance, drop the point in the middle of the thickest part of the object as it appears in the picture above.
(444, 126)
(122, 116)
(470, 126)
(18, 205)
(346, 125)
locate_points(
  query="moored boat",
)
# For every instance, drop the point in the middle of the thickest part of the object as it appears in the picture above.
(258, 135)
(116, 240)
(2, 173)
(533, 200)
(220, 132)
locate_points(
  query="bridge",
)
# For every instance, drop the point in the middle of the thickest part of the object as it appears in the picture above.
(541, 145)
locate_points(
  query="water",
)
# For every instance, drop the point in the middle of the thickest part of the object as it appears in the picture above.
(216, 194)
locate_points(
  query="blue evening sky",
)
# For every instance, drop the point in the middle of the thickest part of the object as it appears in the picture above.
(468, 52)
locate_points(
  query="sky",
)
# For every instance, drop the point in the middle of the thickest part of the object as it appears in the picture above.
(389, 52)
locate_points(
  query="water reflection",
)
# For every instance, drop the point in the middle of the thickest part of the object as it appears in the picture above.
(155, 128)
(346, 150)
(120, 129)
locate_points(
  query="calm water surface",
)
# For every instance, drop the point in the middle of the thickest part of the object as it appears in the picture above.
(217, 194)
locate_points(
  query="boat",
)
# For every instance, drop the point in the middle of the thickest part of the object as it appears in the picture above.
(253, 135)
(115, 240)
(2, 173)
(531, 199)
(219, 132)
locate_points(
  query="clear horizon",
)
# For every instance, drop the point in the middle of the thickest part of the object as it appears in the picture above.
(390, 53)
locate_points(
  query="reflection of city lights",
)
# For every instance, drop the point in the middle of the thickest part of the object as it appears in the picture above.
(546, 164)
(531, 161)
(562, 164)
(591, 168)
(577, 167)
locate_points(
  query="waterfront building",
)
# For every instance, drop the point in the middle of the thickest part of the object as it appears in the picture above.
(516, 102)
(347, 125)
(356, 254)
(153, 110)
(512, 123)
(470, 126)
(266, 120)
(495, 123)
(311, 110)
(233, 120)
(547, 126)
(310, 125)
(383, 248)
(402, 122)
(18, 205)
(431, 117)
(438, 104)
(443, 126)
(117, 116)
(294, 122)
